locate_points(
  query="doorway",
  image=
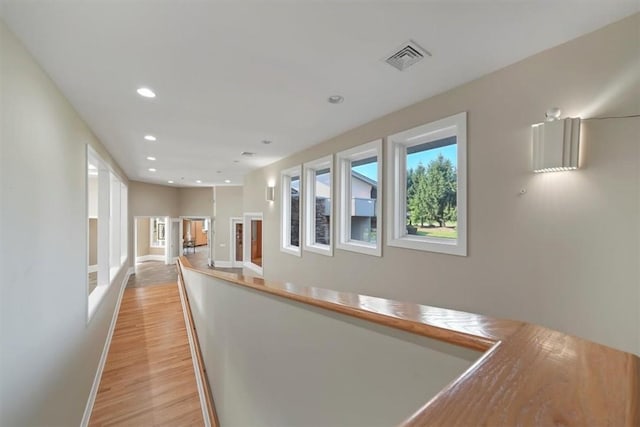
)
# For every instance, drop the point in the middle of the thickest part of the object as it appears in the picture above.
(195, 239)
(150, 238)
(236, 252)
(252, 242)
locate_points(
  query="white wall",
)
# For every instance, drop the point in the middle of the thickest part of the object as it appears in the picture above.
(566, 254)
(275, 362)
(48, 352)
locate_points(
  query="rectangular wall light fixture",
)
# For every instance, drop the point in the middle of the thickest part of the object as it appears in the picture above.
(271, 193)
(556, 145)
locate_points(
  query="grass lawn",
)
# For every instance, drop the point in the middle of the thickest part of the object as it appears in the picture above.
(442, 232)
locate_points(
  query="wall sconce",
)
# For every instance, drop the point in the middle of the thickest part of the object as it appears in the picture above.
(555, 143)
(271, 193)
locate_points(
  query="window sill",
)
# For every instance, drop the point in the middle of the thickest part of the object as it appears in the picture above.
(443, 246)
(291, 250)
(325, 250)
(361, 247)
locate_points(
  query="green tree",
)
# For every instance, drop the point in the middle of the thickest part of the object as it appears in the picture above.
(440, 191)
(417, 196)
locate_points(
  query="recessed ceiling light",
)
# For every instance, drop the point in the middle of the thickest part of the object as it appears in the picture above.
(227, 181)
(150, 137)
(198, 181)
(266, 142)
(152, 169)
(146, 92)
(335, 99)
(153, 159)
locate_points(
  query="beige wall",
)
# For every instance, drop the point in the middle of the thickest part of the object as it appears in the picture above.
(48, 352)
(160, 200)
(195, 201)
(152, 200)
(228, 204)
(566, 253)
(143, 236)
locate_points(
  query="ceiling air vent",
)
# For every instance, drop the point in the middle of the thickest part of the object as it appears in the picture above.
(407, 55)
(247, 153)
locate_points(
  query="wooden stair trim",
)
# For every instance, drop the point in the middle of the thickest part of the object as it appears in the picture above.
(528, 375)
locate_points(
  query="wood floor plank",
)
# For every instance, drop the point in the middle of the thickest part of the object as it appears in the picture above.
(148, 378)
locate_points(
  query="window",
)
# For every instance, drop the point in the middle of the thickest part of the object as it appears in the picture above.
(427, 183)
(157, 230)
(114, 226)
(290, 213)
(107, 242)
(359, 207)
(124, 225)
(318, 226)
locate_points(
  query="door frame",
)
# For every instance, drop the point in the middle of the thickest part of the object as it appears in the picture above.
(232, 246)
(168, 243)
(209, 233)
(246, 242)
(136, 258)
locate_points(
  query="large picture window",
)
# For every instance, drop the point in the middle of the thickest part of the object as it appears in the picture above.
(290, 213)
(427, 170)
(318, 224)
(359, 206)
(107, 228)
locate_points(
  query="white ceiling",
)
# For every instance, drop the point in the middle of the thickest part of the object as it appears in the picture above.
(231, 74)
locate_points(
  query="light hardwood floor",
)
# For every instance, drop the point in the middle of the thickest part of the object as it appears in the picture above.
(148, 377)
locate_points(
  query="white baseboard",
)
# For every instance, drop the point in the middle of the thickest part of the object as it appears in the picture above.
(144, 258)
(93, 268)
(194, 356)
(253, 267)
(105, 351)
(222, 264)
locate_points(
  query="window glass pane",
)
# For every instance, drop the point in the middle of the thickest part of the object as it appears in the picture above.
(364, 195)
(432, 187)
(123, 223)
(114, 226)
(294, 209)
(92, 200)
(323, 206)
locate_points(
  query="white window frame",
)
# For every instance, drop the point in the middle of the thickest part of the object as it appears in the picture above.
(285, 211)
(344, 161)
(110, 262)
(397, 236)
(124, 223)
(115, 215)
(309, 216)
(246, 244)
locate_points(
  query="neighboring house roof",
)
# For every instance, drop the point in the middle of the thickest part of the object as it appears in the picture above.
(364, 178)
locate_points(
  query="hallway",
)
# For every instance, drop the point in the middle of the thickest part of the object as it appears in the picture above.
(149, 378)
